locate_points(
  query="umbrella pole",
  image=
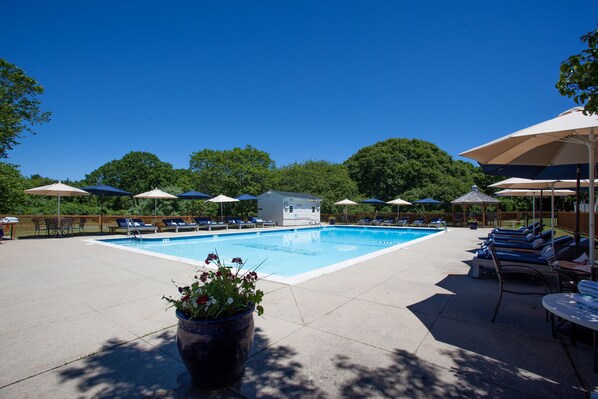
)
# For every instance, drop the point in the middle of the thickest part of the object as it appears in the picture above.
(552, 215)
(592, 173)
(155, 206)
(577, 199)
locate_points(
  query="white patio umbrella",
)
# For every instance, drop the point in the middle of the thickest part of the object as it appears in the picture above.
(564, 140)
(346, 202)
(222, 199)
(156, 195)
(57, 190)
(398, 202)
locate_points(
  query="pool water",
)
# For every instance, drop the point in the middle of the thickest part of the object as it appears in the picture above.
(285, 255)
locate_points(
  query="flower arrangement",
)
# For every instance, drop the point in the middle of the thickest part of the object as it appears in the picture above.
(220, 293)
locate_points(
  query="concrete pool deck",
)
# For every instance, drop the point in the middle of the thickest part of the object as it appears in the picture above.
(84, 320)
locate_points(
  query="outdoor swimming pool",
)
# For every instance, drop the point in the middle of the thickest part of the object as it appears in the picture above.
(290, 255)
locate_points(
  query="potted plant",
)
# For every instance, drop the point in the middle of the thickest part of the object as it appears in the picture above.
(473, 224)
(215, 329)
(331, 221)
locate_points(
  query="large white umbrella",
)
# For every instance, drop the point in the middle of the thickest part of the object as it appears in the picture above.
(398, 202)
(156, 195)
(346, 202)
(564, 140)
(57, 190)
(222, 199)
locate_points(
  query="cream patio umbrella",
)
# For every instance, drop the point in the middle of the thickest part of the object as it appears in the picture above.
(398, 202)
(156, 195)
(564, 140)
(57, 190)
(346, 202)
(222, 199)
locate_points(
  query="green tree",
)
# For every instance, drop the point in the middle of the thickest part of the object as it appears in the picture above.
(12, 186)
(19, 105)
(328, 181)
(410, 169)
(136, 172)
(231, 172)
(579, 75)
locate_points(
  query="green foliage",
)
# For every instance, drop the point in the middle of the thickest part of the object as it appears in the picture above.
(12, 185)
(579, 75)
(232, 172)
(19, 106)
(409, 169)
(328, 181)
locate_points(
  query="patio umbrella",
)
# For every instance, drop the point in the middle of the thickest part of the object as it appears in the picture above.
(346, 202)
(156, 195)
(57, 190)
(246, 197)
(193, 195)
(428, 201)
(398, 202)
(105, 191)
(563, 140)
(374, 201)
(222, 199)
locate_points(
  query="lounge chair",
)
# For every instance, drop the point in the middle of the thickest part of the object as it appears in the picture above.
(377, 221)
(237, 222)
(438, 223)
(419, 222)
(207, 223)
(542, 260)
(535, 245)
(132, 226)
(534, 228)
(178, 224)
(261, 222)
(389, 222)
(403, 222)
(517, 238)
(364, 221)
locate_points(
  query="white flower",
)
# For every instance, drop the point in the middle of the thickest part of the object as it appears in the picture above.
(194, 304)
(229, 301)
(214, 301)
(199, 291)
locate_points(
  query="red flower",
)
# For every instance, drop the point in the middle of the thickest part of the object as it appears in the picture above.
(185, 298)
(237, 260)
(202, 300)
(203, 277)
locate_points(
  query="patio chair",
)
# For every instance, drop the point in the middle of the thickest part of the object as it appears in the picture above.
(66, 226)
(80, 227)
(36, 226)
(52, 228)
(504, 273)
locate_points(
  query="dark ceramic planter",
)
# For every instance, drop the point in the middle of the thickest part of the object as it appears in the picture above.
(214, 351)
(473, 226)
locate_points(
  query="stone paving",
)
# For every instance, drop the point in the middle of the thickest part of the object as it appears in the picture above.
(80, 320)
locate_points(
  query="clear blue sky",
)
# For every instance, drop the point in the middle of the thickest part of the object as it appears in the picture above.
(300, 80)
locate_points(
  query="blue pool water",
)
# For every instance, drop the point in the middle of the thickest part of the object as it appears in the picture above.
(284, 253)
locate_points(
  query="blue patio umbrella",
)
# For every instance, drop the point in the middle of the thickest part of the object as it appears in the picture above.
(428, 201)
(193, 195)
(373, 201)
(105, 191)
(246, 197)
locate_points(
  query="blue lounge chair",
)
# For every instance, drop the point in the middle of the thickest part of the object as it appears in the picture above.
(132, 226)
(237, 222)
(403, 222)
(178, 224)
(534, 228)
(207, 223)
(364, 221)
(389, 222)
(419, 222)
(261, 222)
(377, 221)
(516, 238)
